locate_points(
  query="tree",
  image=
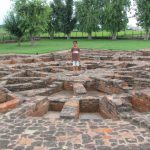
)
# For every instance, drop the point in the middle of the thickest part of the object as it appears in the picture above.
(88, 15)
(68, 20)
(35, 13)
(50, 27)
(143, 16)
(55, 18)
(62, 19)
(15, 25)
(114, 18)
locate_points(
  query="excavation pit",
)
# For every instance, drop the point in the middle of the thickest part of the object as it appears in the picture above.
(63, 94)
(89, 108)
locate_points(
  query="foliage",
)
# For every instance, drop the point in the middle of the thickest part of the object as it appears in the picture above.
(68, 20)
(56, 16)
(114, 18)
(88, 15)
(35, 13)
(143, 15)
(61, 19)
(15, 25)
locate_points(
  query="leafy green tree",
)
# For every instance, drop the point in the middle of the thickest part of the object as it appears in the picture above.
(143, 16)
(68, 19)
(88, 15)
(50, 28)
(55, 18)
(114, 18)
(35, 13)
(62, 19)
(15, 25)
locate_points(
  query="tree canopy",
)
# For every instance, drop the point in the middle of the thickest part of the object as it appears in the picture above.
(68, 19)
(15, 25)
(143, 15)
(32, 17)
(35, 15)
(114, 18)
(88, 16)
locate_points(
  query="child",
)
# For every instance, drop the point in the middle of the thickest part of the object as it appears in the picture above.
(75, 51)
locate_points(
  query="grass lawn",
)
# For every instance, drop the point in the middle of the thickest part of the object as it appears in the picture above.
(45, 46)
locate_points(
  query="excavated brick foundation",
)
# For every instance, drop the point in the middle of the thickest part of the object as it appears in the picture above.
(43, 105)
(110, 83)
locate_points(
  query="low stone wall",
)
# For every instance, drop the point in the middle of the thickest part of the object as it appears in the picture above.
(141, 100)
(40, 109)
(37, 108)
(79, 89)
(15, 80)
(33, 84)
(89, 104)
(108, 109)
(8, 101)
(68, 85)
(141, 83)
(9, 105)
(129, 80)
(56, 104)
(110, 86)
(3, 95)
(112, 106)
(70, 110)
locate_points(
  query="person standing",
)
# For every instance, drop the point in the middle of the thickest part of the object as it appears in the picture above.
(75, 51)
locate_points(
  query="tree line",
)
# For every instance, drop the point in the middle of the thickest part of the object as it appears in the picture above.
(31, 17)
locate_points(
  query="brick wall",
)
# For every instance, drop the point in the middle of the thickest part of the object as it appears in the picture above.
(108, 109)
(56, 106)
(89, 104)
(110, 86)
(141, 100)
(68, 85)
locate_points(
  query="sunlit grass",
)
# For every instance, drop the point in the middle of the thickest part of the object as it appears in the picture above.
(45, 46)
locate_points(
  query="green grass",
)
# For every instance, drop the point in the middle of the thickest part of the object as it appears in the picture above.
(45, 46)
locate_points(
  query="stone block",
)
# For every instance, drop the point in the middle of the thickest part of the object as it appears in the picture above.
(4, 107)
(40, 109)
(110, 86)
(79, 89)
(70, 110)
(141, 100)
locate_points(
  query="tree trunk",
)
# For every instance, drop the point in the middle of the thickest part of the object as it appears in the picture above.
(68, 36)
(32, 41)
(90, 36)
(51, 35)
(19, 41)
(114, 36)
(146, 37)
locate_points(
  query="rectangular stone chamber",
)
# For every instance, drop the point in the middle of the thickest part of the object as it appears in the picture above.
(77, 100)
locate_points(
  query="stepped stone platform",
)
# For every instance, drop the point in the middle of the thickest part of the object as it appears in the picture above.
(44, 106)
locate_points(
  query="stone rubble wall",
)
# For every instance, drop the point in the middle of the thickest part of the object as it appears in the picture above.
(141, 100)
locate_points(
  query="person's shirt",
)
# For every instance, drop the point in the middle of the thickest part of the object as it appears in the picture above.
(75, 54)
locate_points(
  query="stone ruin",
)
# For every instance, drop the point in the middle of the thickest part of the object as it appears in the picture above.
(112, 85)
